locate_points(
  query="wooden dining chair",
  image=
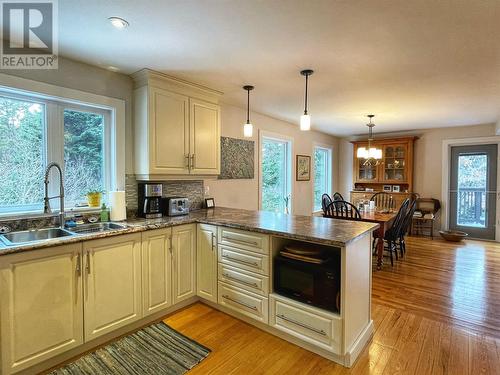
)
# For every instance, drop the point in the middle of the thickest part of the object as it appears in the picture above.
(342, 210)
(383, 200)
(338, 197)
(392, 234)
(405, 228)
(325, 201)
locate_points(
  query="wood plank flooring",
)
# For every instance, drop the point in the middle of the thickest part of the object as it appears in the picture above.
(435, 312)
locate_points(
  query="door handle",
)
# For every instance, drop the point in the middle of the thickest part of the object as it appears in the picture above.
(87, 266)
(192, 161)
(78, 265)
(188, 166)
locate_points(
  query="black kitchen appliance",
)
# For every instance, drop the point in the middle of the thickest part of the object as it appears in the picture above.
(149, 204)
(309, 278)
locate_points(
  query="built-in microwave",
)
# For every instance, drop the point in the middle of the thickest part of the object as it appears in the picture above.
(315, 284)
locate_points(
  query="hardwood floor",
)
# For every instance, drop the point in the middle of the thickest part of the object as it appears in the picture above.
(435, 312)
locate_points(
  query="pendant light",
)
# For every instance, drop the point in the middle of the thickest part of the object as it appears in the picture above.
(305, 119)
(248, 127)
(371, 154)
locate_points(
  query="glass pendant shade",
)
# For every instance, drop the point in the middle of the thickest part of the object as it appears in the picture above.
(248, 130)
(305, 122)
(362, 153)
(375, 153)
(248, 127)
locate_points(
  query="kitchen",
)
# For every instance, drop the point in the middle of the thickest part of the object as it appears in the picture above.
(180, 193)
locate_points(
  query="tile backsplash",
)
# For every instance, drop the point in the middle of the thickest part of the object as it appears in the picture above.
(193, 190)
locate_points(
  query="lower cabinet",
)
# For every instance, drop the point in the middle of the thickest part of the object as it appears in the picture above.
(183, 262)
(112, 283)
(41, 305)
(156, 270)
(252, 305)
(206, 262)
(309, 324)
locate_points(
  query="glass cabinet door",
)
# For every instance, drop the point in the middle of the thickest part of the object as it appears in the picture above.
(395, 159)
(366, 172)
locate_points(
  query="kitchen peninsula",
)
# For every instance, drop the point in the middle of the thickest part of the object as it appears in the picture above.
(98, 286)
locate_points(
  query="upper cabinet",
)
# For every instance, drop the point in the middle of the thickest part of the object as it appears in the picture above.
(395, 168)
(177, 127)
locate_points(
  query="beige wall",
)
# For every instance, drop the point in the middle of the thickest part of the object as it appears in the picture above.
(244, 193)
(428, 156)
(79, 76)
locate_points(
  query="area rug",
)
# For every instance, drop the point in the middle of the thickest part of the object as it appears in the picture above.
(156, 349)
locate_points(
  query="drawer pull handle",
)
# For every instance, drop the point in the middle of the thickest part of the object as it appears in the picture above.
(225, 296)
(321, 332)
(227, 276)
(240, 241)
(240, 260)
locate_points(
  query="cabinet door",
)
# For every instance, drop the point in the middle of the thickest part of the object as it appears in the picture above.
(184, 262)
(205, 137)
(206, 262)
(169, 132)
(395, 163)
(112, 283)
(156, 270)
(41, 305)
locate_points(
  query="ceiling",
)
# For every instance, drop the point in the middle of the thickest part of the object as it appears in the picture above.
(415, 64)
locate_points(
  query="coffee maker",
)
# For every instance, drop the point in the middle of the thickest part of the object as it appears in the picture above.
(149, 205)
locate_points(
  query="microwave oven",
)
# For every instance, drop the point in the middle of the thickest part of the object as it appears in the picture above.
(315, 284)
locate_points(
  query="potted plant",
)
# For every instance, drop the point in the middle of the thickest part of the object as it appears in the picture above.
(94, 198)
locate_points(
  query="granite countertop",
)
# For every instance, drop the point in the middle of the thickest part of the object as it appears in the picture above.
(331, 232)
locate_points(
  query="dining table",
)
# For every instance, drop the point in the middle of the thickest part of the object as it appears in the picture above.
(384, 219)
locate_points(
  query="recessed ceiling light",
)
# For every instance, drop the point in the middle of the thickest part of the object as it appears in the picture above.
(118, 22)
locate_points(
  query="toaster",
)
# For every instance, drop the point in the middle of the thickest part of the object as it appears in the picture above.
(176, 206)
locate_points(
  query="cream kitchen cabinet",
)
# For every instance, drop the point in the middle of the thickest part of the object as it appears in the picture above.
(177, 127)
(112, 283)
(41, 305)
(206, 262)
(183, 249)
(156, 270)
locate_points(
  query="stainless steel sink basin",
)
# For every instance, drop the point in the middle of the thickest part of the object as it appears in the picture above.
(96, 228)
(21, 237)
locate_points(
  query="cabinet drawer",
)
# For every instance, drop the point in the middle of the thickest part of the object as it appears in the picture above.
(319, 328)
(245, 240)
(246, 260)
(243, 279)
(243, 302)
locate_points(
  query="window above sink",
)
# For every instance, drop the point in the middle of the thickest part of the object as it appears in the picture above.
(80, 137)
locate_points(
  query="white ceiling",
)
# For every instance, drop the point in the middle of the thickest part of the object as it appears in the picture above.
(415, 64)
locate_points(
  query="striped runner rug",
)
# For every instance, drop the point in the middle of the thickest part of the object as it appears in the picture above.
(156, 349)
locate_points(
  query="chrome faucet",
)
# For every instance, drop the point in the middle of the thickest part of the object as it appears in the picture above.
(46, 204)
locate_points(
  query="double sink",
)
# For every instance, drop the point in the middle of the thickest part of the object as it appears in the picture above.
(29, 236)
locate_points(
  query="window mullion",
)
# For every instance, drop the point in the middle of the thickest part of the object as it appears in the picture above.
(55, 147)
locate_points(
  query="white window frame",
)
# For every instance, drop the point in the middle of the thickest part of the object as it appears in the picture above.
(59, 98)
(329, 167)
(291, 164)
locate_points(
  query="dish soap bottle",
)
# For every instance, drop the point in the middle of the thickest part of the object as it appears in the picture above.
(104, 213)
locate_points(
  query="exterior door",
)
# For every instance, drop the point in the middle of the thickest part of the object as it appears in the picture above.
(112, 283)
(41, 306)
(473, 188)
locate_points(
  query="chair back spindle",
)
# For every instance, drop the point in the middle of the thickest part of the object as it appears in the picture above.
(342, 210)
